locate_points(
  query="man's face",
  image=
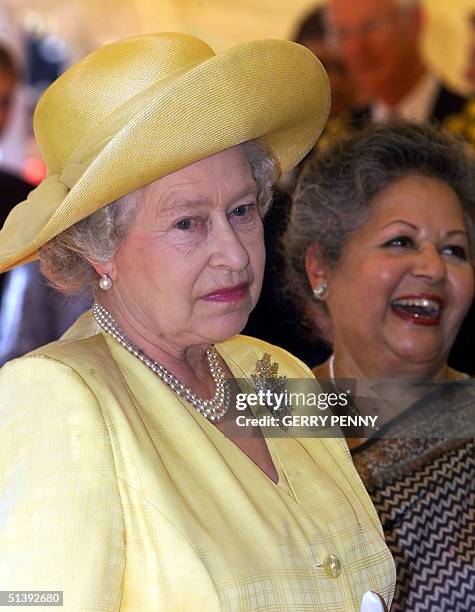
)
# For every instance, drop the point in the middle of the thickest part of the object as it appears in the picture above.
(7, 84)
(377, 38)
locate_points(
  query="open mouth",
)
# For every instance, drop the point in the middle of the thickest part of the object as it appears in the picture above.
(419, 310)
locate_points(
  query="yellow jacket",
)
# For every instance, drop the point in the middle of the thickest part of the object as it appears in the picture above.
(120, 494)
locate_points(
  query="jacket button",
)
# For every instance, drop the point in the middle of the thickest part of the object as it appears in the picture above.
(331, 566)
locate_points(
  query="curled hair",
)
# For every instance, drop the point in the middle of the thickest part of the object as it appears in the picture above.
(65, 260)
(265, 172)
(337, 185)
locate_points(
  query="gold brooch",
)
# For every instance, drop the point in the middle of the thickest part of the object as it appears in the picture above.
(265, 369)
(270, 387)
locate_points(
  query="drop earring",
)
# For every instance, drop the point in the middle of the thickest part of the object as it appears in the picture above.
(105, 282)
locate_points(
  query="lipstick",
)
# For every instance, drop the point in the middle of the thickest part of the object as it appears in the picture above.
(228, 294)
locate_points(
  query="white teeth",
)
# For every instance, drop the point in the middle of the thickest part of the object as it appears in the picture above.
(417, 302)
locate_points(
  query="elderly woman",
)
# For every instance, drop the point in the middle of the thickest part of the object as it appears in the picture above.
(380, 250)
(123, 481)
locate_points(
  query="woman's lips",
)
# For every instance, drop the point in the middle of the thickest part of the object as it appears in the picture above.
(228, 294)
(420, 309)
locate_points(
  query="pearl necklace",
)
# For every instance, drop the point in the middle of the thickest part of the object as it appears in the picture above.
(213, 409)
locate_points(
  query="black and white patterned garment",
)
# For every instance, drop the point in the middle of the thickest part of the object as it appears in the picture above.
(424, 492)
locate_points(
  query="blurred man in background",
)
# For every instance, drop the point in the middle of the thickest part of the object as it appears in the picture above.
(380, 41)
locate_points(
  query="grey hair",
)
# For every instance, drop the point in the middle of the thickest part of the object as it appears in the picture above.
(65, 260)
(337, 185)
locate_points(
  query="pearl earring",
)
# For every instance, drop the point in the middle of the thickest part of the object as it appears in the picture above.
(105, 282)
(320, 290)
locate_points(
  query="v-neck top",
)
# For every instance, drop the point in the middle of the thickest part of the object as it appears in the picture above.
(120, 494)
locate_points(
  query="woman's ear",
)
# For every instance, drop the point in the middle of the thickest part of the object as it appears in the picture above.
(317, 271)
(107, 268)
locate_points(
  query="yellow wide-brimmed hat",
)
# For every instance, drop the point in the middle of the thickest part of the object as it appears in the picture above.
(138, 109)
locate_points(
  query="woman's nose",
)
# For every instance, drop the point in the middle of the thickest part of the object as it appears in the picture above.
(227, 248)
(430, 264)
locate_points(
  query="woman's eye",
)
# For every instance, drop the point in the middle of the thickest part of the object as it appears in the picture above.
(456, 251)
(185, 224)
(244, 210)
(401, 241)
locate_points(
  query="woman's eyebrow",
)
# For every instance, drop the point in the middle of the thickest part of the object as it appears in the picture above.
(456, 231)
(411, 225)
(177, 207)
(415, 227)
(176, 203)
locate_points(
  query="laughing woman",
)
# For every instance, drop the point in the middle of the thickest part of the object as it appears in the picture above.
(380, 248)
(119, 483)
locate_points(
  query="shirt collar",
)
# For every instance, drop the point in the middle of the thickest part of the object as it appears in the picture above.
(415, 106)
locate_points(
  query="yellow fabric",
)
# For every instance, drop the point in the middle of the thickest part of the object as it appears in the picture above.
(117, 492)
(138, 109)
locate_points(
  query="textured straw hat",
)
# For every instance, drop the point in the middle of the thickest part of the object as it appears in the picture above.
(138, 109)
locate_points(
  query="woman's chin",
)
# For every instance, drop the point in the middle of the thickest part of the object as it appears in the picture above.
(425, 356)
(224, 327)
